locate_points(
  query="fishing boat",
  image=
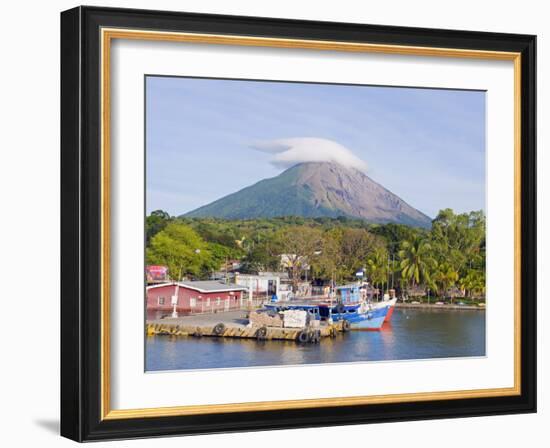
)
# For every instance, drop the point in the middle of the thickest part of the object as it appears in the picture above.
(387, 302)
(361, 313)
(361, 316)
(349, 306)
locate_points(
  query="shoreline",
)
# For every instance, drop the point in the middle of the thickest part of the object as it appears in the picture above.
(439, 307)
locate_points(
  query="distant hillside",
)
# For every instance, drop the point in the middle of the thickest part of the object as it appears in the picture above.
(316, 189)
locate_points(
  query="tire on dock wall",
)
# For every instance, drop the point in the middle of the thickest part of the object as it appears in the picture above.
(315, 336)
(302, 336)
(218, 329)
(261, 334)
(346, 326)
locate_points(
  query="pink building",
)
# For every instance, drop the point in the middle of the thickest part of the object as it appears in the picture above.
(195, 297)
(156, 274)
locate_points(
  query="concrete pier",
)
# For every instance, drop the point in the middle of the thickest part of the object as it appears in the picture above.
(234, 324)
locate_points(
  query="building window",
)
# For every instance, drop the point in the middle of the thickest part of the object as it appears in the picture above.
(161, 300)
(193, 302)
(208, 301)
(218, 301)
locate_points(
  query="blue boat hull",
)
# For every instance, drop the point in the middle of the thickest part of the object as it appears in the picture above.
(371, 320)
(373, 324)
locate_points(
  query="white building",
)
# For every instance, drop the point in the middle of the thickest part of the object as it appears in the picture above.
(265, 285)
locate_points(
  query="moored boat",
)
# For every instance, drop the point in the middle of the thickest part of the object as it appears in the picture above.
(361, 316)
(350, 306)
(387, 302)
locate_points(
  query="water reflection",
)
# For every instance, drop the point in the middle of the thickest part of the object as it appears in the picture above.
(412, 334)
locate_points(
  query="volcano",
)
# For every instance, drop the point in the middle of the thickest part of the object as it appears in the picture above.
(316, 189)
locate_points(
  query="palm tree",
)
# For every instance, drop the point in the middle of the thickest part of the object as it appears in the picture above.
(377, 266)
(472, 282)
(445, 277)
(466, 283)
(416, 261)
(479, 283)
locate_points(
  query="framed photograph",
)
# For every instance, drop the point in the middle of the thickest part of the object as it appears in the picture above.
(273, 223)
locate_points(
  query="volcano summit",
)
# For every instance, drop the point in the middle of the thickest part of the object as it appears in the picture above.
(316, 189)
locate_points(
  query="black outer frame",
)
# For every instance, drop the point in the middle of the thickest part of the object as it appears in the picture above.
(80, 224)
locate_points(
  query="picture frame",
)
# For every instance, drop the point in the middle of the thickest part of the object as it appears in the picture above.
(86, 210)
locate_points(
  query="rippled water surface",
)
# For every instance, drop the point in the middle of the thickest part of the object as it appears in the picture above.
(411, 334)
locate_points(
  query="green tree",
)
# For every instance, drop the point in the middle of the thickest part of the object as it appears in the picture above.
(261, 256)
(297, 246)
(444, 277)
(458, 238)
(154, 223)
(416, 261)
(325, 261)
(473, 283)
(377, 267)
(219, 254)
(394, 234)
(325, 247)
(181, 249)
(355, 247)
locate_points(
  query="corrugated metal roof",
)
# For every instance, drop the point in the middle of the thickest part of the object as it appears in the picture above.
(210, 286)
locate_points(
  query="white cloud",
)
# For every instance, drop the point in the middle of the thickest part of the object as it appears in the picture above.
(291, 151)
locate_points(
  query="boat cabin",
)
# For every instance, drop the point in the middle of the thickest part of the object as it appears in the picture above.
(348, 294)
(312, 310)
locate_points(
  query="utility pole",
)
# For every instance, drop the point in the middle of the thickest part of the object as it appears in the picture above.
(392, 269)
(388, 276)
(175, 298)
(226, 261)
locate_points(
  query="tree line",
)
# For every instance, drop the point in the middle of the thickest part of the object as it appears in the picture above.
(448, 257)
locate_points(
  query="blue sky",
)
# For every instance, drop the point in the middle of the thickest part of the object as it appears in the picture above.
(425, 145)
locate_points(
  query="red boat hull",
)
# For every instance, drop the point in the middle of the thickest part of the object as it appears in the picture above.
(390, 312)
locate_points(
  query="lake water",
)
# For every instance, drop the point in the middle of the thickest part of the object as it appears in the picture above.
(411, 334)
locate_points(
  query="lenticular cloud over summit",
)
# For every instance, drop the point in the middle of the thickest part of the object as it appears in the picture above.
(291, 151)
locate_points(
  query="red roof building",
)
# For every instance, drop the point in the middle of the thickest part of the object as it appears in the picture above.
(195, 297)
